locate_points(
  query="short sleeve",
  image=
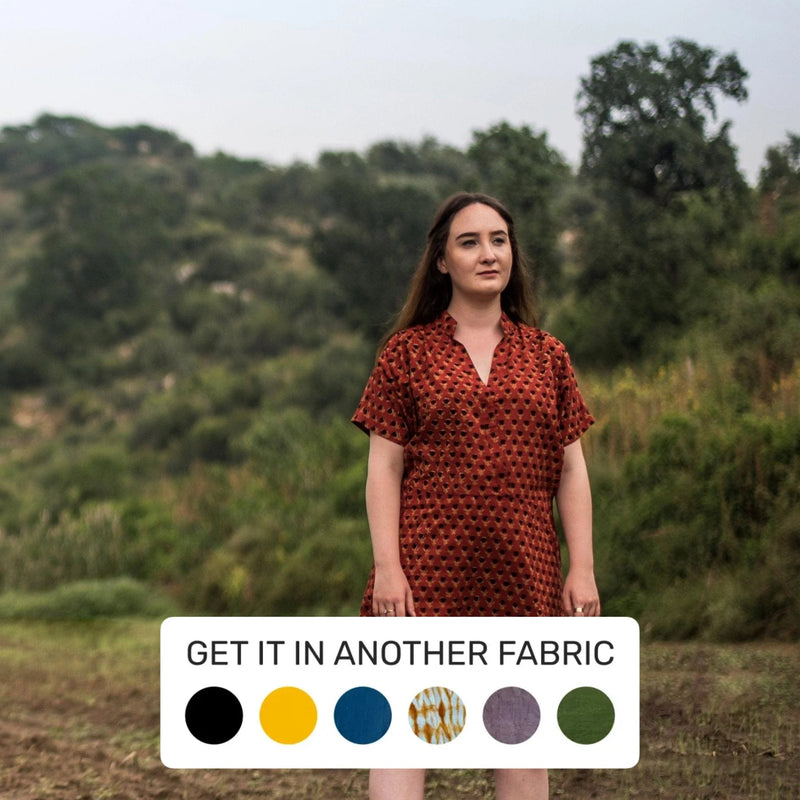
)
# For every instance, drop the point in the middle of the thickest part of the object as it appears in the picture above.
(386, 407)
(574, 416)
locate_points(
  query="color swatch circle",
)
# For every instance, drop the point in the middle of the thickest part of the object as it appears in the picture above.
(362, 715)
(437, 715)
(288, 715)
(586, 715)
(214, 715)
(511, 715)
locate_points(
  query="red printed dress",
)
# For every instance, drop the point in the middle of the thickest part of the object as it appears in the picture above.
(482, 466)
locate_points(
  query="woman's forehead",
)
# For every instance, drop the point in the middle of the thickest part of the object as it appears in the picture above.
(476, 218)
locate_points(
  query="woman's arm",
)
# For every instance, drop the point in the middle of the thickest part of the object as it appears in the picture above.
(384, 478)
(574, 500)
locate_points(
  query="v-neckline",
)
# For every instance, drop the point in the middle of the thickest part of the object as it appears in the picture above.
(473, 365)
(506, 326)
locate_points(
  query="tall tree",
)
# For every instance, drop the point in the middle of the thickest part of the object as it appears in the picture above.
(664, 176)
(646, 118)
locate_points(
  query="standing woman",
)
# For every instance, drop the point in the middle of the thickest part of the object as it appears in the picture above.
(474, 419)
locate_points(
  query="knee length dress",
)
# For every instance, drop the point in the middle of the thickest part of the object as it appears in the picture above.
(482, 464)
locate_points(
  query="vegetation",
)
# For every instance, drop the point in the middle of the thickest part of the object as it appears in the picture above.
(183, 339)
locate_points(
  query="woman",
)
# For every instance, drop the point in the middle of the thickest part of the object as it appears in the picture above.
(474, 418)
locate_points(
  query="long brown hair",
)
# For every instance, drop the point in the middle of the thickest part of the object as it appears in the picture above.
(430, 290)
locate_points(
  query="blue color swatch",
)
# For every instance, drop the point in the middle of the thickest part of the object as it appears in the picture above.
(362, 715)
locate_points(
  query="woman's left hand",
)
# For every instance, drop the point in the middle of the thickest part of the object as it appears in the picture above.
(581, 598)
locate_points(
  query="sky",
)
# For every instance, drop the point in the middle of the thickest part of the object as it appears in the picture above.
(285, 81)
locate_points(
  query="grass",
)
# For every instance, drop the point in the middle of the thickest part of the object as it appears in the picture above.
(80, 720)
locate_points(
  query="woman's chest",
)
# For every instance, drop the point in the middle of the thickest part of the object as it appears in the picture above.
(520, 391)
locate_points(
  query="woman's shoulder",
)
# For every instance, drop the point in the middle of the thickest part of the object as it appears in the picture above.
(404, 347)
(398, 342)
(414, 336)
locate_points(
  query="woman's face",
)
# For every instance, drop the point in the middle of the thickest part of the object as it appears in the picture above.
(477, 255)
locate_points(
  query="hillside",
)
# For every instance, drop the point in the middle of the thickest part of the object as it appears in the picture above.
(183, 339)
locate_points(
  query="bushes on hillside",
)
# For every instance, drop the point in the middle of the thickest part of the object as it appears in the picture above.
(698, 534)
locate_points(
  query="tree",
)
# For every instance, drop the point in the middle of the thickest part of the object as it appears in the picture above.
(645, 118)
(780, 176)
(778, 245)
(371, 248)
(102, 230)
(667, 194)
(433, 162)
(50, 144)
(149, 141)
(519, 166)
(371, 237)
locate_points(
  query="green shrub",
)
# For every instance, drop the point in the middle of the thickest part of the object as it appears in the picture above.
(210, 440)
(761, 327)
(279, 569)
(226, 389)
(165, 418)
(329, 383)
(261, 330)
(325, 575)
(24, 365)
(105, 540)
(72, 548)
(225, 261)
(221, 585)
(159, 351)
(696, 532)
(84, 474)
(117, 597)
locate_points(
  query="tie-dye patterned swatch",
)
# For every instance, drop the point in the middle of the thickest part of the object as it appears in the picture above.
(437, 715)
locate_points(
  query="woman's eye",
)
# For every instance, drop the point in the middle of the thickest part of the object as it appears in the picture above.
(500, 241)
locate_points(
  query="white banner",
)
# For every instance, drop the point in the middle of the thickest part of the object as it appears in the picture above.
(440, 692)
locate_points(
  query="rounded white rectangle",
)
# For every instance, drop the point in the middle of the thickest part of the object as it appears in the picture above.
(336, 692)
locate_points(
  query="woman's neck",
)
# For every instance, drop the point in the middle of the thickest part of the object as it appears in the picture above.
(476, 316)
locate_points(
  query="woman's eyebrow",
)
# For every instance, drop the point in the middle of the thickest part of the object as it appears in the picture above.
(493, 233)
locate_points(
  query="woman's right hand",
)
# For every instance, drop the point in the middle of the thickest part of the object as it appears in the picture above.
(391, 595)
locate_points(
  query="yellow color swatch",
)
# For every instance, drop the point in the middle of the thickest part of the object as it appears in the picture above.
(288, 715)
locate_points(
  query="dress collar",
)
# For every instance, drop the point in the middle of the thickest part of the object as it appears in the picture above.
(447, 324)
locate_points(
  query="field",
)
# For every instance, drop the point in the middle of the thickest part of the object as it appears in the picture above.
(79, 720)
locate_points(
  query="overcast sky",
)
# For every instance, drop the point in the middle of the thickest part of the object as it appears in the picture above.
(281, 81)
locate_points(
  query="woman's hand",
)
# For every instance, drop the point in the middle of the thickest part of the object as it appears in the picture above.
(391, 595)
(580, 597)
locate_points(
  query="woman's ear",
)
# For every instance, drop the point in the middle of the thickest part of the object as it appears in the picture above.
(441, 266)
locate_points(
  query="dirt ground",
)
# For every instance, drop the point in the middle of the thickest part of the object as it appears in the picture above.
(73, 727)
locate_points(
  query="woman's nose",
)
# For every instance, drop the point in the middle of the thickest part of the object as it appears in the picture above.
(487, 252)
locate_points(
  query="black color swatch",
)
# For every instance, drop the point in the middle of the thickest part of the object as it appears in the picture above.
(214, 715)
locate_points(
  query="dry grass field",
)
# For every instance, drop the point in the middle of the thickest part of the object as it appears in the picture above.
(79, 720)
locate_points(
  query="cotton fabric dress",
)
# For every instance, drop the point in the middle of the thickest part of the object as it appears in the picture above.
(482, 464)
